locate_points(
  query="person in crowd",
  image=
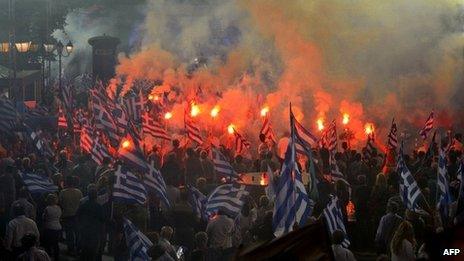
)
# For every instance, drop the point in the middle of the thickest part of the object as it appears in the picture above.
(268, 162)
(31, 252)
(166, 235)
(403, 243)
(378, 199)
(7, 187)
(220, 231)
(238, 164)
(207, 167)
(171, 169)
(387, 227)
(69, 200)
(102, 169)
(91, 220)
(83, 171)
(24, 199)
(155, 156)
(193, 168)
(200, 253)
(52, 226)
(17, 228)
(340, 253)
(63, 165)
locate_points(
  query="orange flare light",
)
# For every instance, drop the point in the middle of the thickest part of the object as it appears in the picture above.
(168, 115)
(346, 118)
(320, 124)
(264, 111)
(369, 128)
(153, 97)
(215, 111)
(231, 128)
(126, 144)
(195, 110)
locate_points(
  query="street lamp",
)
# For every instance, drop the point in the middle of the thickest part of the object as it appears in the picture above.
(23, 47)
(4, 47)
(59, 49)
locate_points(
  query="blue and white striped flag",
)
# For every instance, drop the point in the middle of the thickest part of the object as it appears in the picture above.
(427, 127)
(334, 218)
(128, 188)
(37, 184)
(292, 204)
(137, 242)
(197, 201)
(443, 193)
(229, 198)
(222, 166)
(154, 182)
(409, 190)
(130, 153)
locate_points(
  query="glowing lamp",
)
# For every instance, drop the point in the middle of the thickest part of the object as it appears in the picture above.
(168, 115)
(195, 110)
(23, 47)
(320, 124)
(264, 111)
(4, 47)
(215, 112)
(34, 47)
(231, 129)
(48, 47)
(69, 47)
(346, 118)
(126, 144)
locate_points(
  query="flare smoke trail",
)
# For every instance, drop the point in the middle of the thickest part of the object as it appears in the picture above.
(372, 59)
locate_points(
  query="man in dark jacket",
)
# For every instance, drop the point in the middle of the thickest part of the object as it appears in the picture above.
(91, 220)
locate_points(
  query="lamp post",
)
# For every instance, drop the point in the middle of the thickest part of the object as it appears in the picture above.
(59, 48)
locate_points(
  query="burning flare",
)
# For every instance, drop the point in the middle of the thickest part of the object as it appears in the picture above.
(195, 110)
(215, 111)
(168, 115)
(320, 124)
(346, 118)
(231, 128)
(126, 144)
(264, 111)
(369, 128)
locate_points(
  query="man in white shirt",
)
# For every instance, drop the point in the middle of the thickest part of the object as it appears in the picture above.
(340, 253)
(17, 228)
(220, 230)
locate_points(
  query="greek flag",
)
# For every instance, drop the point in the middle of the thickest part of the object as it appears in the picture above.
(128, 188)
(221, 165)
(334, 218)
(443, 193)
(197, 201)
(154, 182)
(409, 190)
(136, 241)
(427, 127)
(37, 184)
(228, 198)
(292, 204)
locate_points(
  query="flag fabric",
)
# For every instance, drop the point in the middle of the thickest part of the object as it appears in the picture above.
(270, 189)
(240, 143)
(66, 96)
(335, 173)
(37, 184)
(137, 243)
(134, 105)
(392, 136)
(8, 115)
(192, 129)
(370, 145)
(303, 136)
(427, 127)
(154, 128)
(197, 201)
(409, 190)
(329, 137)
(86, 137)
(130, 153)
(228, 198)
(334, 218)
(267, 130)
(128, 188)
(99, 151)
(222, 166)
(77, 119)
(104, 120)
(292, 204)
(154, 181)
(443, 193)
(120, 118)
(62, 122)
(39, 142)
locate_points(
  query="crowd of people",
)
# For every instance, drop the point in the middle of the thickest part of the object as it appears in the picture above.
(81, 220)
